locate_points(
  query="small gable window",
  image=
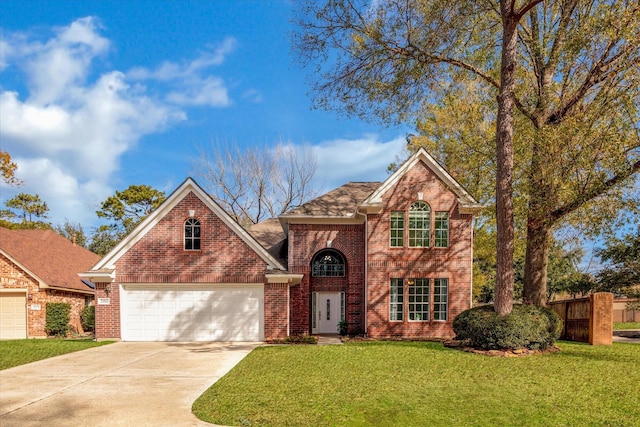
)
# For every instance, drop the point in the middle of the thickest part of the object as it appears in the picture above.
(328, 263)
(192, 234)
(419, 225)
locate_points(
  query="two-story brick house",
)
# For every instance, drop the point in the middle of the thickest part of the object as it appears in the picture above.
(393, 259)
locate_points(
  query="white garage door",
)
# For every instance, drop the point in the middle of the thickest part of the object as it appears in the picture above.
(13, 315)
(192, 313)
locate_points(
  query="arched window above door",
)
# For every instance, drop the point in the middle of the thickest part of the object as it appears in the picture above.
(328, 263)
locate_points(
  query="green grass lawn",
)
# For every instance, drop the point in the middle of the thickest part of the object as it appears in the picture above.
(19, 352)
(420, 384)
(626, 325)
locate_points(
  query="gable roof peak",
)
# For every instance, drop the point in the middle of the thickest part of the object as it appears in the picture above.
(468, 205)
(189, 185)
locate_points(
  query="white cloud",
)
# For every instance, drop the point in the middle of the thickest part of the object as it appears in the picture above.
(210, 91)
(68, 135)
(189, 87)
(365, 159)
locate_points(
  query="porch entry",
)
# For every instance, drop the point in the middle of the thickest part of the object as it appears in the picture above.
(327, 310)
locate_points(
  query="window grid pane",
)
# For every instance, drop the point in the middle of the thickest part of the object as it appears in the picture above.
(442, 230)
(397, 229)
(418, 299)
(419, 225)
(440, 299)
(396, 300)
(192, 234)
(328, 264)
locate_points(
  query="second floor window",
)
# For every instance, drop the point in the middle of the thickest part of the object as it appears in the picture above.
(419, 225)
(192, 234)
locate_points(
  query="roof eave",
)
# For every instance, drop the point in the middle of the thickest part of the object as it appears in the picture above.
(101, 276)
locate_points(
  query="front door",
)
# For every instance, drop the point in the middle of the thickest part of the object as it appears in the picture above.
(328, 311)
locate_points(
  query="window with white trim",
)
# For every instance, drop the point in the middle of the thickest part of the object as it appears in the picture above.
(192, 234)
(441, 238)
(397, 229)
(419, 225)
(396, 300)
(440, 299)
(418, 290)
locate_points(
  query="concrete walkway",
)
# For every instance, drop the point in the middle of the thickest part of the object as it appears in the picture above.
(121, 384)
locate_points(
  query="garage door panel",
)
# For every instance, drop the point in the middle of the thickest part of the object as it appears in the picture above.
(13, 315)
(192, 313)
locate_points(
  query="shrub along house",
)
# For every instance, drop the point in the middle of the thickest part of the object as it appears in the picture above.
(392, 259)
(38, 267)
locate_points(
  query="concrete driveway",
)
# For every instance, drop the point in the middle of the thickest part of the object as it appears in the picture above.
(120, 384)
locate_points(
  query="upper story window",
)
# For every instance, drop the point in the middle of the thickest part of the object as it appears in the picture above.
(192, 234)
(419, 225)
(397, 229)
(442, 230)
(328, 263)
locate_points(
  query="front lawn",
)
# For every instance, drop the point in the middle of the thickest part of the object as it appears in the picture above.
(420, 383)
(19, 352)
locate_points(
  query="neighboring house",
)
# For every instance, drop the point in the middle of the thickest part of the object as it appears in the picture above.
(37, 267)
(392, 259)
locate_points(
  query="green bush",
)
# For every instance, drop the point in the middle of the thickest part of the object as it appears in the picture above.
(88, 317)
(343, 327)
(527, 326)
(57, 323)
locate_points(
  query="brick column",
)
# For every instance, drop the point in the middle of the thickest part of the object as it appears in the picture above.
(601, 319)
(276, 310)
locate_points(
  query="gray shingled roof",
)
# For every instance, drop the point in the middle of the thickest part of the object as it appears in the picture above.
(340, 202)
(270, 235)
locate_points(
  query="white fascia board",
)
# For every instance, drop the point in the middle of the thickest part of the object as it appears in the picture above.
(288, 278)
(189, 185)
(464, 198)
(99, 276)
(315, 219)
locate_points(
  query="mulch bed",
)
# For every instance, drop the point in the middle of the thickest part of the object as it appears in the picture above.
(460, 345)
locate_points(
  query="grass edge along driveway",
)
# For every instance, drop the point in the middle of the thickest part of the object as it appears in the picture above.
(20, 352)
(424, 383)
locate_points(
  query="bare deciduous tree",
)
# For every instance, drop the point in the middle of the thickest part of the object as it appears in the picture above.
(255, 184)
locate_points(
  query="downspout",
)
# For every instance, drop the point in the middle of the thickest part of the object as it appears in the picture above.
(366, 268)
(471, 265)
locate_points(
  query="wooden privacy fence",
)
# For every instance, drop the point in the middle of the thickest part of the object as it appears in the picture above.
(587, 319)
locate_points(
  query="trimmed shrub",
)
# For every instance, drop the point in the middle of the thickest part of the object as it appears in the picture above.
(88, 317)
(343, 327)
(527, 326)
(57, 319)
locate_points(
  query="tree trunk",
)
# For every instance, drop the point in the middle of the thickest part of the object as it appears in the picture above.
(536, 261)
(503, 300)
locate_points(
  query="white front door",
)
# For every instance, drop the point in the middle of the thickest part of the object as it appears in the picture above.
(328, 310)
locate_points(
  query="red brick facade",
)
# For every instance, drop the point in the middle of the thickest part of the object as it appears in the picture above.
(385, 262)
(13, 277)
(160, 257)
(305, 240)
(353, 221)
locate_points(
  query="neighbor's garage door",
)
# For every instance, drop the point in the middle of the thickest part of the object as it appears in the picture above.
(192, 313)
(13, 315)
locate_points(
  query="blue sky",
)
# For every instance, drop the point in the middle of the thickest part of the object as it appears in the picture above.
(98, 95)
